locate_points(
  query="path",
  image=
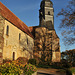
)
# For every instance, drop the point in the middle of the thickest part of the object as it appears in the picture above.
(42, 71)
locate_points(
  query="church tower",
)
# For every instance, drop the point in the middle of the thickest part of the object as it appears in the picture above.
(46, 14)
(46, 43)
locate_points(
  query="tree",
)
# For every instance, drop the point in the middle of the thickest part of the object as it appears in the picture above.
(68, 23)
(69, 56)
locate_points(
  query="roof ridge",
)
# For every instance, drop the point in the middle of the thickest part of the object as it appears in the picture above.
(10, 16)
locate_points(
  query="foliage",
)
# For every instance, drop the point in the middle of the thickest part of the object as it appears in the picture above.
(68, 72)
(43, 66)
(68, 23)
(69, 55)
(44, 63)
(22, 60)
(61, 65)
(10, 69)
(65, 64)
(32, 61)
(6, 60)
(72, 70)
(16, 67)
(29, 69)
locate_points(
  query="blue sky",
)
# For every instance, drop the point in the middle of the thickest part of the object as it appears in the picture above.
(28, 12)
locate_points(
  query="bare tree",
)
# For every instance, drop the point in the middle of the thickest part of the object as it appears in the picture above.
(68, 23)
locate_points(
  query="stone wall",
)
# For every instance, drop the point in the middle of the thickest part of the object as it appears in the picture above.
(47, 44)
(16, 42)
(1, 38)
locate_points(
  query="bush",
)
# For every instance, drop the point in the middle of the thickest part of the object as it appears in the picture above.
(72, 70)
(22, 60)
(29, 69)
(43, 66)
(66, 64)
(17, 67)
(10, 69)
(68, 72)
(32, 61)
(73, 64)
(6, 60)
(61, 65)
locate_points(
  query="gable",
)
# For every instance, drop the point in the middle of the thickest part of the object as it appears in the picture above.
(7, 14)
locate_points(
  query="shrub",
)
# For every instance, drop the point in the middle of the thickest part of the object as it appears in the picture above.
(66, 64)
(10, 68)
(68, 72)
(72, 70)
(32, 61)
(29, 69)
(73, 64)
(43, 65)
(63, 64)
(16, 68)
(22, 60)
(6, 60)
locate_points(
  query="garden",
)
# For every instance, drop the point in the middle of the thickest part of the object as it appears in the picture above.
(17, 67)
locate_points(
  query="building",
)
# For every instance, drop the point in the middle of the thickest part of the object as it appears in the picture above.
(46, 41)
(19, 40)
(16, 39)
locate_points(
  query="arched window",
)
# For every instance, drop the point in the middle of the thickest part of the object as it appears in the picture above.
(48, 12)
(19, 36)
(7, 30)
(13, 55)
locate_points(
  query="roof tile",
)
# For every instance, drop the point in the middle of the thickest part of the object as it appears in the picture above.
(7, 14)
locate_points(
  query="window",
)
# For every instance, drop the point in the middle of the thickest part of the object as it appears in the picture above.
(13, 55)
(27, 40)
(48, 12)
(19, 36)
(7, 31)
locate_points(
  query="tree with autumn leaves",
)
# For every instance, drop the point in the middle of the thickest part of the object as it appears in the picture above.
(69, 56)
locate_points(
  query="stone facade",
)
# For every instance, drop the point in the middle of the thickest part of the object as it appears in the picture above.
(47, 43)
(2, 21)
(46, 40)
(16, 39)
(17, 42)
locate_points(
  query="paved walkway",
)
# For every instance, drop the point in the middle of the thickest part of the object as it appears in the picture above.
(42, 71)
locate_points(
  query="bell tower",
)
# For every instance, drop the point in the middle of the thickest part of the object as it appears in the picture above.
(46, 14)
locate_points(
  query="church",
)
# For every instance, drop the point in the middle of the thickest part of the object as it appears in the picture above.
(19, 40)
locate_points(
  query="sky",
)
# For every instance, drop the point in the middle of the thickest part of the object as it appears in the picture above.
(28, 12)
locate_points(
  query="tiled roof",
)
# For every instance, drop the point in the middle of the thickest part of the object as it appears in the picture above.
(7, 14)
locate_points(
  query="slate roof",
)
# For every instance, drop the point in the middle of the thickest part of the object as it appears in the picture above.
(11, 17)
